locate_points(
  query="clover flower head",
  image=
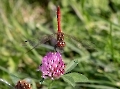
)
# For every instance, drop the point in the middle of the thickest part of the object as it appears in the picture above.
(52, 65)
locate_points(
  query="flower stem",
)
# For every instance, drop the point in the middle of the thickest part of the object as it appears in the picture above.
(50, 85)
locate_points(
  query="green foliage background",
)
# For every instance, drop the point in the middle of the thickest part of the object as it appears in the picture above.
(94, 23)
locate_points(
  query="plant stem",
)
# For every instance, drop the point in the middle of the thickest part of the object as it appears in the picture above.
(50, 85)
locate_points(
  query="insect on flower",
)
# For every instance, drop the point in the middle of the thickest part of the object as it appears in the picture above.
(60, 43)
(59, 35)
(52, 66)
(22, 84)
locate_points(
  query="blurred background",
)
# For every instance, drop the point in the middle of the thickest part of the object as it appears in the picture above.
(93, 27)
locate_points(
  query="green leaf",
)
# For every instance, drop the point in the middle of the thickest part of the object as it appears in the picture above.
(77, 77)
(69, 80)
(71, 66)
(7, 83)
(72, 78)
